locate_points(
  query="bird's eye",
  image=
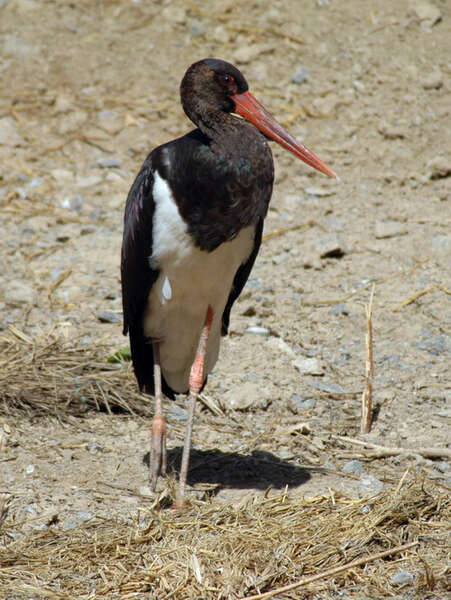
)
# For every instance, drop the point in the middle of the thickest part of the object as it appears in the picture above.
(226, 80)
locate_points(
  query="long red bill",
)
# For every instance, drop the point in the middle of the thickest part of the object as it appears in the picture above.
(249, 108)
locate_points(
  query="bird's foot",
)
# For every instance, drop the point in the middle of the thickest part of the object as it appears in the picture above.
(158, 459)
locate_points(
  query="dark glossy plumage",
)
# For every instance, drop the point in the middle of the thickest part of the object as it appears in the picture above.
(221, 178)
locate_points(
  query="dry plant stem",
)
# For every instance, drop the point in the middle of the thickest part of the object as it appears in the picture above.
(383, 451)
(412, 299)
(367, 395)
(355, 563)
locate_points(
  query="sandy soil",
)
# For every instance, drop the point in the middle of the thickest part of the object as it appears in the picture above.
(87, 89)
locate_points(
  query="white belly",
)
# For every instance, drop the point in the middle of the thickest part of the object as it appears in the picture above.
(190, 280)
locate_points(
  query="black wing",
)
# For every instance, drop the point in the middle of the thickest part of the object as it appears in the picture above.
(241, 277)
(136, 274)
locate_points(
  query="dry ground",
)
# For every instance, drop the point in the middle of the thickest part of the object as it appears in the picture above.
(86, 90)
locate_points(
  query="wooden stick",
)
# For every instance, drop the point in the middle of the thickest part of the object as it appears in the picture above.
(382, 451)
(355, 563)
(367, 395)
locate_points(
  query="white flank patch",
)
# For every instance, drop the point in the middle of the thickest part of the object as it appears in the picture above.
(190, 280)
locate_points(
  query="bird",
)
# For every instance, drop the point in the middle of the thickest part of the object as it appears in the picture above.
(193, 226)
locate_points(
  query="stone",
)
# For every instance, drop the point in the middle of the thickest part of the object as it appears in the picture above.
(77, 519)
(369, 485)
(329, 245)
(312, 190)
(339, 309)
(325, 386)
(249, 395)
(353, 466)
(301, 75)
(308, 366)
(389, 229)
(433, 81)
(299, 405)
(439, 167)
(428, 14)
(9, 134)
(107, 316)
(401, 578)
(256, 330)
(17, 292)
(108, 163)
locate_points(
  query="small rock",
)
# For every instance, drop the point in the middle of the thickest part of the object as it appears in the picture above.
(364, 510)
(17, 292)
(329, 388)
(301, 75)
(402, 577)
(248, 396)
(76, 520)
(88, 181)
(107, 316)
(439, 167)
(389, 229)
(110, 121)
(197, 28)
(29, 469)
(433, 81)
(339, 309)
(75, 204)
(258, 331)
(308, 366)
(353, 466)
(94, 447)
(176, 14)
(299, 405)
(427, 13)
(177, 412)
(391, 132)
(108, 163)
(62, 174)
(326, 106)
(285, 453)
(145, 491)
(246, 54)
(435, 344)
(318, 191)
(369, 485)
(330, 246)
(9, 134)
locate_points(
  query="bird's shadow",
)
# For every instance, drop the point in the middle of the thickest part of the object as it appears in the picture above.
(259, 470)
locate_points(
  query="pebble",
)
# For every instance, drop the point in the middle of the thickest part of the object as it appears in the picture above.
(319, 191)
(17, 292)
(301, 75)
(108, 163)
(401, 577)
(88, 181)
(9, 134)
(29, 469)
(369, 485)
(324, 386)
(339, 309)
(197, 28)
(433, 81)
(76, 520)
(353, 466)
(439, 167)
(177, 412)
(389, 229)
(391, 132)
(107, 316)
(308, 366)
(330, 246)
(94, 447)
(299, 405)
(258, 331)
(435, 344)
(250, 395)
(427, 13)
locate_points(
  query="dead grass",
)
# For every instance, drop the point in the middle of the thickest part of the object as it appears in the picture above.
(51, 375)
(213, 550)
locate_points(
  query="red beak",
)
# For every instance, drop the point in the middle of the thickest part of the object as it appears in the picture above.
(249, 108)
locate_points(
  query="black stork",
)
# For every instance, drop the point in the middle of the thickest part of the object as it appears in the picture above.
(192, 230)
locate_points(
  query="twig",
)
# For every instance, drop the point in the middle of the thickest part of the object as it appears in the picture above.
(367, 395)
(273, 234)
(422, 293)
(355, 563)
(383, 451)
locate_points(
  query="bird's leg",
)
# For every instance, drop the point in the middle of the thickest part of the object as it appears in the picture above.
(195, 385)
(157, 461)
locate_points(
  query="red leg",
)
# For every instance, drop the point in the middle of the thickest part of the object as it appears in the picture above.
(157, 463)
(195, 385)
